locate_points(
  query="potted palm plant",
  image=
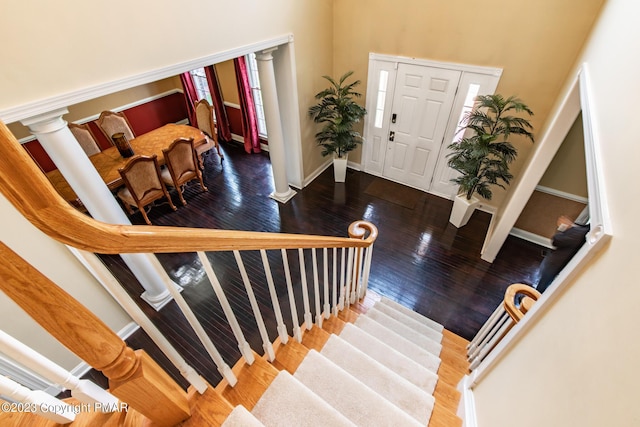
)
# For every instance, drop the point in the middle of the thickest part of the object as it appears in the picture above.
(338, 112)
(483, 155)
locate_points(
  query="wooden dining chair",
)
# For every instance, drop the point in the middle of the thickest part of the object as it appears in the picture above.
(111, 122)
(204, 117)
(182, 165)
(143, 184)
(85, 137)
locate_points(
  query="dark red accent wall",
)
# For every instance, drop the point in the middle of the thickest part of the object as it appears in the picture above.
(143, 118)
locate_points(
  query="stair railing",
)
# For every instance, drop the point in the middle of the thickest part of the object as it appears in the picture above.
(134, 377)
(504, 317)
(24, 400)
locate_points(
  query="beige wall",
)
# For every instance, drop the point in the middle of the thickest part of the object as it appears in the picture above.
(227, 79)
(78, 45)
(535, 42)
(568, 171)
(577, 366)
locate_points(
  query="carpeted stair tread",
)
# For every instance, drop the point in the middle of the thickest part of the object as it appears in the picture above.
(409, 321)
(417, 316)
(240, 417)
(405, 331)
(388, 356)
(401, 344)
(363, 406)
(399, 391)
(287, 402)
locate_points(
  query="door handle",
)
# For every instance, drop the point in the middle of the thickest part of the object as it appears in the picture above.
(392, 136)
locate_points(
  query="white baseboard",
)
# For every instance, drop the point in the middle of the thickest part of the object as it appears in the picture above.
(531, 237)
(467, 406)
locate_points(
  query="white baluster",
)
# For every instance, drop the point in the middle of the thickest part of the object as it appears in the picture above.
(223, 368)
(342, 276)
(492, 343)
(266, 343)
(282, 329)
(499, 321)
(316, 287)
(292, 298)
(83, 390)
(488, 325)
(99, 270)
(335, 282)
(357, 276)
(355, 270)
(348, 278)
(308, 322)
(325, 268)
(37, 402)
(366, 268)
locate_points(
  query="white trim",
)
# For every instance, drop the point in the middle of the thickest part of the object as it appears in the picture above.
(563, 194)
(531, 237)
(34, 381)
(232, 105)
(597, 238)
(33, 108)
(118, 109)
(477, 69)
(316, 173)
(467, 405)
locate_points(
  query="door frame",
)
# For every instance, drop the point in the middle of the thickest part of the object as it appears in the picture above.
(375, 139)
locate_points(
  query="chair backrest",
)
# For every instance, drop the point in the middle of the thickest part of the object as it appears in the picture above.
(204, 116)
(110, 122)
(141, 175)
(85, 137)
(181, 160)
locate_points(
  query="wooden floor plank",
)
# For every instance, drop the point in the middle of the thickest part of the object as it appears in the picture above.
(315, 338)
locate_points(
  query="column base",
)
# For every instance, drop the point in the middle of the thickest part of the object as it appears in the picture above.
(283, 197)
(159, 301)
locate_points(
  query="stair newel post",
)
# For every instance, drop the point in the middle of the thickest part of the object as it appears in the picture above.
(308, 320)
(133, 376)
(316, 287)
(325, 269)
(266, 343)
(292, 299)
(282, 329)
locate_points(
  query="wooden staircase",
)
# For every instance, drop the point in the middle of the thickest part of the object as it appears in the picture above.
(133, 376)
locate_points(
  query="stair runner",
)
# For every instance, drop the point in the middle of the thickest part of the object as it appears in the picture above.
(379, 371)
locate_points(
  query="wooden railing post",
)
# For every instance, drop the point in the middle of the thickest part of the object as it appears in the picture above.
(133, 376)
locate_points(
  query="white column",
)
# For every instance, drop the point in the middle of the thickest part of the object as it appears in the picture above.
(282, 191)
(63, 148)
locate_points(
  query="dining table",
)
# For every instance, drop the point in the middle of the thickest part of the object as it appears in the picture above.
(108, 161)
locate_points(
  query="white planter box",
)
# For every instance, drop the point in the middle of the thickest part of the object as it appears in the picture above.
(340, 168)
(462, 210)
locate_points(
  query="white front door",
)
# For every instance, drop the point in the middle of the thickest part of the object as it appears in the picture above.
(413, 112)
(420, 112)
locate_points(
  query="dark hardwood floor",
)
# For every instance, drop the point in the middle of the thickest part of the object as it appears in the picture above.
(419, 259)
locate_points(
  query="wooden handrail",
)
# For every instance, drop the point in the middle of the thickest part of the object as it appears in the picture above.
(133, 376)
(530, 296)
(28, 189)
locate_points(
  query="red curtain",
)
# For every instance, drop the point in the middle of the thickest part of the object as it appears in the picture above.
(247, 107)
(190, 96)
(222, 120)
